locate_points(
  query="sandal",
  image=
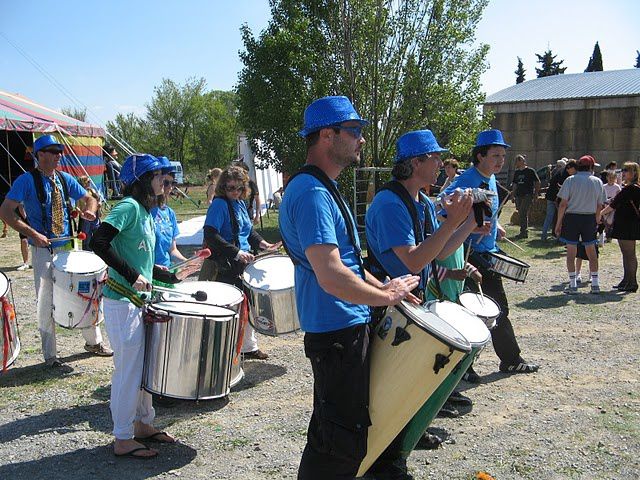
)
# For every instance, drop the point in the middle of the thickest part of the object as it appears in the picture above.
(132, 454)
(154, 438)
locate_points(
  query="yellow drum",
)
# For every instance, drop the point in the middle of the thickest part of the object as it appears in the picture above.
(412, 353)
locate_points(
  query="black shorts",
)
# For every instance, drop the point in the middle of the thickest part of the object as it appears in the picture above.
(579, 227)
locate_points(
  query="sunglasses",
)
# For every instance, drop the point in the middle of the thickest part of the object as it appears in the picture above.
(52, 151)
(169, 182)
(355, 131)
(626, 170)
(231, 188)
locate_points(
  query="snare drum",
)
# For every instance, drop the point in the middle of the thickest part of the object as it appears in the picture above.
(475, 331)
(78, 278)
(9, 340)
(269, 282)
(507, 266)
(412, 353)
(485, 308)
(221, 295)
(188, 350)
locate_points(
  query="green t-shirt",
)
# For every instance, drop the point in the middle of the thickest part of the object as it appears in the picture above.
(135, 241)
(451, 289)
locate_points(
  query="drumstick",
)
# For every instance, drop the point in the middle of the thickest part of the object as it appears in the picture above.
(513, 243)
(204, 253)
(79, 236)
(200, 296)
(481, 294)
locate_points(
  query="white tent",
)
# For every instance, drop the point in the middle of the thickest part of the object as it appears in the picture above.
(268, 180)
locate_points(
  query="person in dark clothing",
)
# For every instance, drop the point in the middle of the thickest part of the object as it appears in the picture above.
(525, 188)
(560, 175)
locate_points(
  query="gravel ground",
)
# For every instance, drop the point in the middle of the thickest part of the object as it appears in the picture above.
(579, 417)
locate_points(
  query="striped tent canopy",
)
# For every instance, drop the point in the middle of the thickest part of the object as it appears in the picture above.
(83, 141)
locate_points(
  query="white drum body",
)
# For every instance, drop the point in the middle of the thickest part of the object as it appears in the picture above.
(78, 278)
(220, 295)
(269, 283)
(9, 340)
(412, 353)
(188, 350)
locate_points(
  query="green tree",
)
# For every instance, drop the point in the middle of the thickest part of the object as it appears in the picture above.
(171, 115)
(404, 65)
(74, 112)
(130, 131)
(595, 61)
(637, 65)
(549, 65)
(520, 71)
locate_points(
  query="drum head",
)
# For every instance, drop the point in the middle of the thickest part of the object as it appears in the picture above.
(194, 309)
(482, 306)
(473, 329)
(4, 284)
(221, 294)
(436, 326)
(270, 273)
(78, 262)
(509, 259)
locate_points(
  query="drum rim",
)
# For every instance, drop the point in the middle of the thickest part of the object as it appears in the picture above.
(453, 343)
(208, 301)
(267, 257)
(473, 343)
(229, 316)
(487, 297)
(82, 252)
(509, 259)
(4, 279)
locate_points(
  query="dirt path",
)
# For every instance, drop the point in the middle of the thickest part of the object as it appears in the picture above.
(579, 417)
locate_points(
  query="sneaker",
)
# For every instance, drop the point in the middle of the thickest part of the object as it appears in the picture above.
(571, 290)
(100, 350)
(471, 376)
(256, 355)
(429, 441)
(457, 397)
(58, 365)
(23, 267)
(595, 289)
(519, 367)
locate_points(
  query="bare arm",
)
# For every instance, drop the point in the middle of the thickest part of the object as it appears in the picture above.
(337, 280)
(175, 253)
(7, 213)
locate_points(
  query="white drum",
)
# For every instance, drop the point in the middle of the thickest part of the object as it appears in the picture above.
(220, 295)
(486, 308)
(472, 327)
(78, 278)
(269, 282)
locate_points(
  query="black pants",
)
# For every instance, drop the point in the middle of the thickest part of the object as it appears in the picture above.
(503, 336)
(337, 435)
(523, 204)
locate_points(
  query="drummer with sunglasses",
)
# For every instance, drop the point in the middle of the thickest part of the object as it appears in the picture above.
(229, 233)
(490, 151)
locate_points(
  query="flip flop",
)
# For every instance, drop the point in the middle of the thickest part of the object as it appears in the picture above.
(131, 454)
(153, 438)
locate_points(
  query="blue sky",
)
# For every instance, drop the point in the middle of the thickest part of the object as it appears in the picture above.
(110, 54)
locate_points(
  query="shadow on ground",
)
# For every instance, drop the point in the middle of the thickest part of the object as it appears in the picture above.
(560, 300)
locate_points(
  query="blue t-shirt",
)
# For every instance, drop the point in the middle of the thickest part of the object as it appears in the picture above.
(218, 218)
(24, 191)
(166, 226)
(472, 178)
(389, 224)
(309, 216)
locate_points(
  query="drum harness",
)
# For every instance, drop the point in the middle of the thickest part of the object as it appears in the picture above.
(38, 179)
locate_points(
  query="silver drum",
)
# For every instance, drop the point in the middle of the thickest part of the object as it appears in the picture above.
(269, 282)
(188, 350)
(221, 295)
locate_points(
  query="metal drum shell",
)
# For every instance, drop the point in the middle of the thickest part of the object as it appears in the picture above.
(69, 308)
(190, 356)
(273, 308)
(508, 267)
(403, 374)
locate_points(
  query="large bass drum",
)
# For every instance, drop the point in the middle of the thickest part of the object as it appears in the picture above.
(221, 295)
(78, 278)
(412, 353)
(269, 282)
(188, 350)
(475, 331)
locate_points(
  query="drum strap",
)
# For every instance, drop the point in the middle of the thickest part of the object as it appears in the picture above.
(46, 222)
(342, 206)
(125, 292)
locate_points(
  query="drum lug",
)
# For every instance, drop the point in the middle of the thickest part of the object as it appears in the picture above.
(401, 336)
(441, 361)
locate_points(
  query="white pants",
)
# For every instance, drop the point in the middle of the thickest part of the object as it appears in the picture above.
(43, 277)
(129, 402)
(249, 340)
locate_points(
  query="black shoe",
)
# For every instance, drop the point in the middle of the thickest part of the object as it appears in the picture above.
(471, 376)
(429, 441)
(622, 284)
(397, 470)
(448, 411)
(457, 397)
(629, 287)
(255, 355)
(519, 367)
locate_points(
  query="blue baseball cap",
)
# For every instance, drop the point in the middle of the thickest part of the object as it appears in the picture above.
(46, 141)
(491, 137)
(329, 111)
(167, 168)
(137, 165)
(416, 143)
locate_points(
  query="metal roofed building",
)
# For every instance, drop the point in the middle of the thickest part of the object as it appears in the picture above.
(570, 115)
